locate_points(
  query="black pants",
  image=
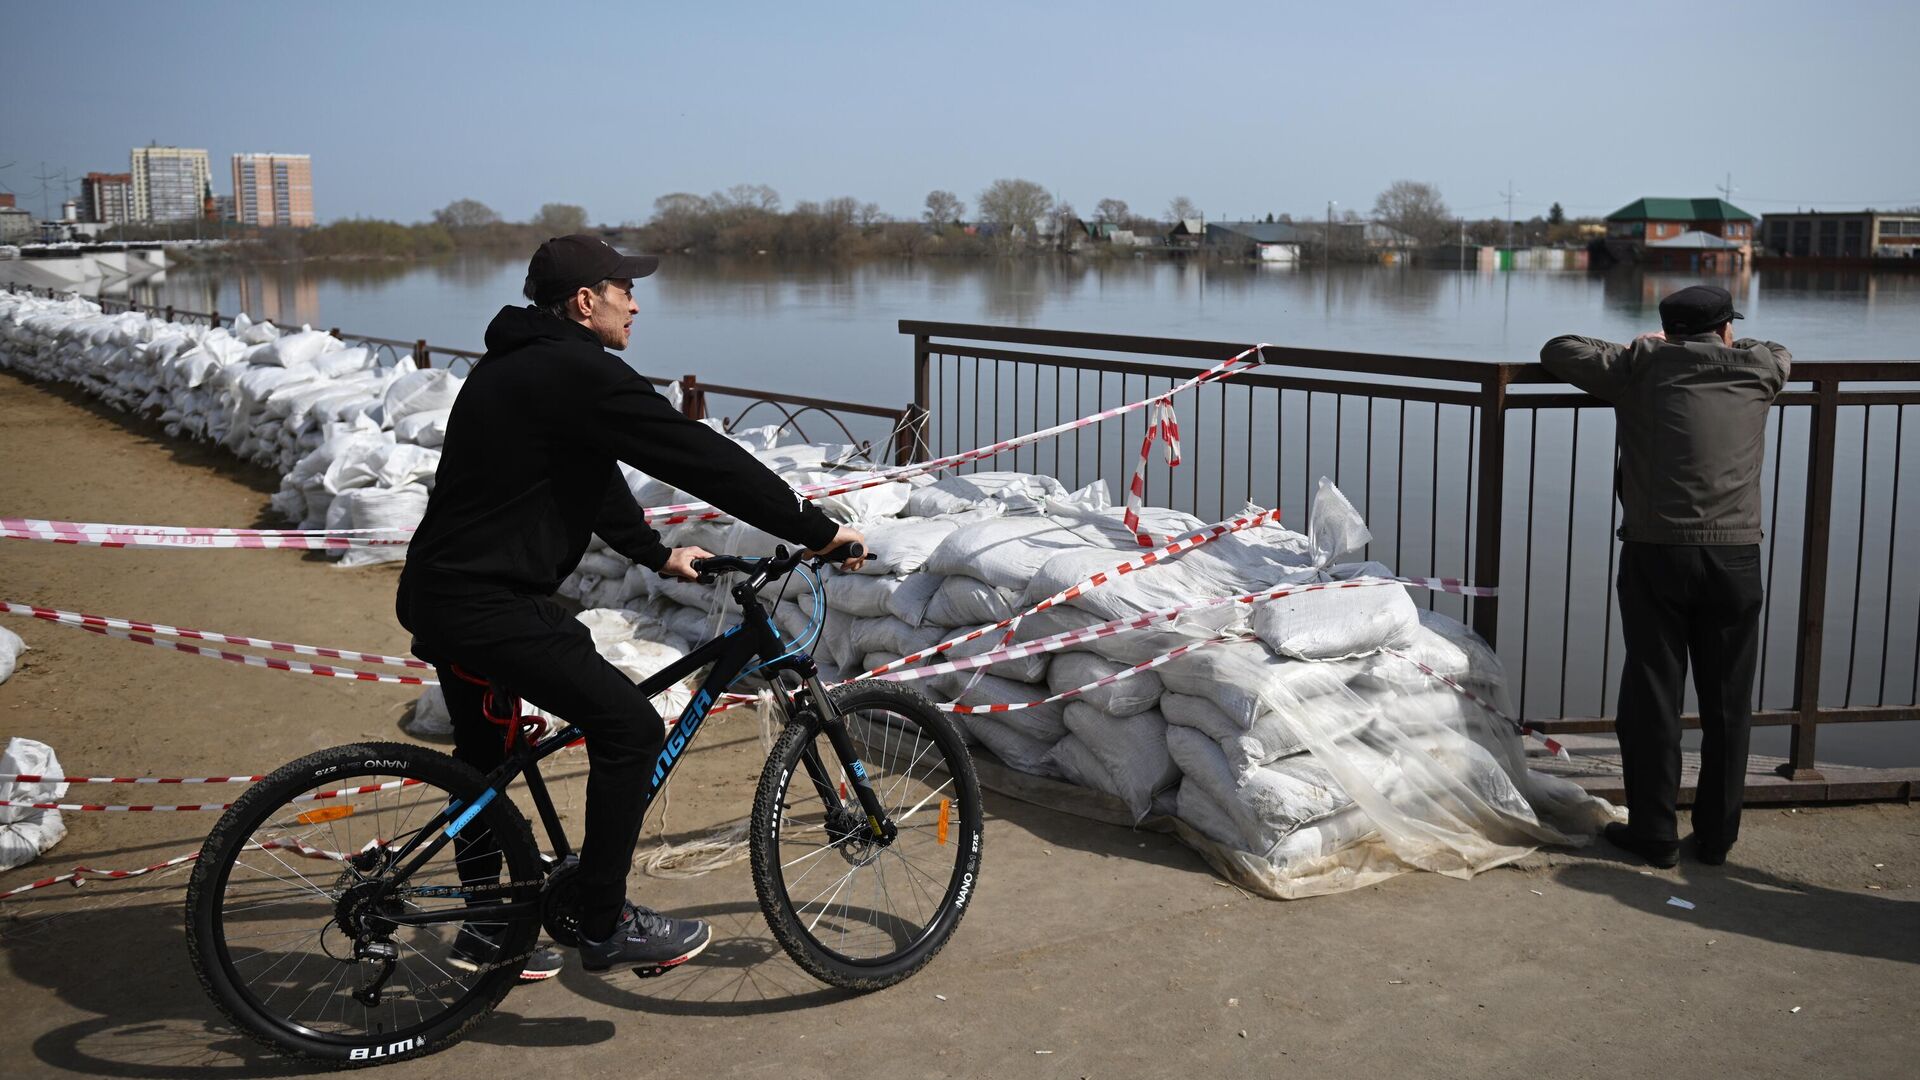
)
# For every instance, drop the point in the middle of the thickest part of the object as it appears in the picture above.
(547, 657)
(1678, 601)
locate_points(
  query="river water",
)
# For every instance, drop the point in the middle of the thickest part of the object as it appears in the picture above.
(830, 330)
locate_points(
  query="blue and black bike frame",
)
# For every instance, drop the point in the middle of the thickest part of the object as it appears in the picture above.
(796, 681)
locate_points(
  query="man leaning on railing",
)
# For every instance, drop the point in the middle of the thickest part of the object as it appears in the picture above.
(1691, 404)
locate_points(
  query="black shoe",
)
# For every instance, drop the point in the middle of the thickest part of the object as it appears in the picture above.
(475, 949)
(1711, 854)
(648, 940)
(1660, 855)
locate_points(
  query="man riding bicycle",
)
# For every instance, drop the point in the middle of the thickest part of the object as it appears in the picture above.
(529, 469)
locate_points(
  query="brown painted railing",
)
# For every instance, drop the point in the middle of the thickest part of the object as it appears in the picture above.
(897, 439)
(1451, 465)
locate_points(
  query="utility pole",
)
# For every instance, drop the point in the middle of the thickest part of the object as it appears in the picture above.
(1727, 189)
(1328, 244)
(1508, 195)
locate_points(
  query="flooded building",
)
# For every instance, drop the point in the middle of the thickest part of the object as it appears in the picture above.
(1682, 234)
(1843, 234)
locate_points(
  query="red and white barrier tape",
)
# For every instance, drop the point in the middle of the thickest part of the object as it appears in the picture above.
(88, 527)
(120, 538)
(81, 619)
(298, 667)
(1164, 426)
(679, 513)
(37, 778)
(1553, 745)
(337, 793)
(79, 875)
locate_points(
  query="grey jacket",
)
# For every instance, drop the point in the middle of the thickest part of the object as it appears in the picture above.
(1692, 418)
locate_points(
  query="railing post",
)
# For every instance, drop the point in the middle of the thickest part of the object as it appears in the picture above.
(1492, 483)
(334, 333)
(922, 396)
(213, 319)
(421, 358)
(1813, 583)
(910, 435)
(169, 312)
(693, 400)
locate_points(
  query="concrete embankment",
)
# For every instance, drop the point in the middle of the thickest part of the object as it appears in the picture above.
(1117, 951)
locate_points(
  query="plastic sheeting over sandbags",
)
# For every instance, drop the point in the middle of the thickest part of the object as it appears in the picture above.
(26, 833)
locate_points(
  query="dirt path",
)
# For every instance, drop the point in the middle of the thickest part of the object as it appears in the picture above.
(1116, 951)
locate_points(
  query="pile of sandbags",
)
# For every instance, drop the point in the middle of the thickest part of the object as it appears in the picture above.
(354, 441)
(25, 832)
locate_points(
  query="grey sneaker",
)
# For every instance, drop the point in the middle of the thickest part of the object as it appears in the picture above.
(476, 949)
(649, 941)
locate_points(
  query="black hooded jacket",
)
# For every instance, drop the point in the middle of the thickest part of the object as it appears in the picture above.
(528, 469)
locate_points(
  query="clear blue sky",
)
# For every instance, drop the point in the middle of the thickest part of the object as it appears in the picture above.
(1244, 107)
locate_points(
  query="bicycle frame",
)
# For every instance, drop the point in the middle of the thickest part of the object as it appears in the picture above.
(730, 654)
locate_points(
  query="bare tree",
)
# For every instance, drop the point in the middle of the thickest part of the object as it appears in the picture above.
(1181, 208)
(1414, 207)
(465, 214)
(561, 219)
(1014, 204)
(944, 208)
(870, 215)
(750, 197)
(1114, 210)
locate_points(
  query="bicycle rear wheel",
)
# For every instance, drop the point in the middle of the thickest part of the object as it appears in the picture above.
(300, 874)
(851, 910)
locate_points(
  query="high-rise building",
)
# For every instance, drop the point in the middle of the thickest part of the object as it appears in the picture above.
(273, 189)
(169, 182)
(107, 198)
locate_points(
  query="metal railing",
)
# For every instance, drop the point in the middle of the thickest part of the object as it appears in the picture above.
(1482, 470)
(871, 428)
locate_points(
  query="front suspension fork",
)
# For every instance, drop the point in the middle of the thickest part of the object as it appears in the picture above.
(880, 828)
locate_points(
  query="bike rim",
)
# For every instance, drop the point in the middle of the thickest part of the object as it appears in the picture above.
(864, 903)
(278, 919)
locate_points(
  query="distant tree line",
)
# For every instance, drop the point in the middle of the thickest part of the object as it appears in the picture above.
(1010, 215)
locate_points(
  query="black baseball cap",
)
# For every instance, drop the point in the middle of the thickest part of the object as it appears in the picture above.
(566, 263)
(1696, 309)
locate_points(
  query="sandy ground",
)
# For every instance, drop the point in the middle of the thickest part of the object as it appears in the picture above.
(1116, 952)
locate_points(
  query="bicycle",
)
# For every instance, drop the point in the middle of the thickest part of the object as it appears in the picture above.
(347, 964)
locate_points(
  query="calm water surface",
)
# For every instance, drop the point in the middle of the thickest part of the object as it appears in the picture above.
(831, 330)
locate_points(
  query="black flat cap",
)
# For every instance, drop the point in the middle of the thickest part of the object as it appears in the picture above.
(1697, 308)
(566, 263)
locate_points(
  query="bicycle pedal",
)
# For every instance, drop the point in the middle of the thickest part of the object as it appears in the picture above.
(654, 971)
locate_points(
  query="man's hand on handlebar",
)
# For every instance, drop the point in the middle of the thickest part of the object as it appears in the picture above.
(846, 535)
(680, 563)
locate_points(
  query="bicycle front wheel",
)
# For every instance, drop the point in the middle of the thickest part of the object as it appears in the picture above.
(852, 910)
(307, 933)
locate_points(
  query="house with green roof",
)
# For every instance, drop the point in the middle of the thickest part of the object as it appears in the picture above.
(1684, 234)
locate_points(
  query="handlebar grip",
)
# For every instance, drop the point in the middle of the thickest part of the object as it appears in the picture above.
(853, 549)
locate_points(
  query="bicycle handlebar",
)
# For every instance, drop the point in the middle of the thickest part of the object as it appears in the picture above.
(763, 570)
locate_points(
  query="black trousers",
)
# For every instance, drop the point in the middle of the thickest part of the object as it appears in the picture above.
(1676, 602)
(544, 655)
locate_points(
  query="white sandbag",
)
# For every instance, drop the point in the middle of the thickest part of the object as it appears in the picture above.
(861, 595)
(1194, 806)
(909, 602)
(902, 545)
(1218, 673)
(1020, 751)
(1267, 804)
(368, 463)
(429, 718)
(887, 634)
(1132, 695)
(966, 601)
(1014, 491)
(421, 391)
(427, 428)
(616, 636)
(338, 362)
(604, 564)
(1132, 750)
(24, 833)
(1043, 723)
(1006, 551)
(377, 508)
(296, 350)
(1333, 623)
(1020, 669)
(1079, 765)
(10, 649)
